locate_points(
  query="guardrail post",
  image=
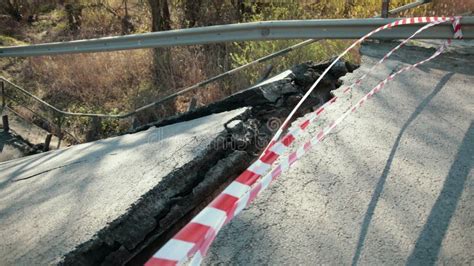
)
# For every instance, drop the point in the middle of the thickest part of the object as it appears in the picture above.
(266, 73)
(192, 104)
(6, 126)
(4, 100)
(94, 128)
(385, 4)
(47, 142)
(60, 133)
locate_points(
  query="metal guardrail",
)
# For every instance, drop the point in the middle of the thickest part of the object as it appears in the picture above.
(408, 6)
(54, 123)
(160, 101)
(260, 31)
(386, 3)
(59, 114)
(254, 31)
(38, 48)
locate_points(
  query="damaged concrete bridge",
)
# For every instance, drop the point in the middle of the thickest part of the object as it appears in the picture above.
(113, 200)
(392, 185)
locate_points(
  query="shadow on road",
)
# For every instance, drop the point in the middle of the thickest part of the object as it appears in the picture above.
(380, 184)
(429, 241)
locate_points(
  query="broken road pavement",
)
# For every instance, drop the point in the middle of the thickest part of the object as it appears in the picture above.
(110, 201)
(392, 185)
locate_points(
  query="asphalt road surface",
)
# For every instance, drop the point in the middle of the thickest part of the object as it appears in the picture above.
(52, 202)
(392, 185)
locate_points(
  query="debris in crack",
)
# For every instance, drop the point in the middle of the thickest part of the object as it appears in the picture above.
(280, 93)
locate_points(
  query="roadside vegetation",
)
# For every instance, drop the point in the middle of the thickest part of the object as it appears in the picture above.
(116, 82)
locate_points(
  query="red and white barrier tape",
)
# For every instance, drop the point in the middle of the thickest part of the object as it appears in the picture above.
(289, 160)
(195, 238)
(312, 118)
(416, 20)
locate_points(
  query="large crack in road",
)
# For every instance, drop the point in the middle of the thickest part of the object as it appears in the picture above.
(161, 211)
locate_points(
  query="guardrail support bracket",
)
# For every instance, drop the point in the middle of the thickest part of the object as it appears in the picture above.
(6, 126)
(47, 142)
(385, 4)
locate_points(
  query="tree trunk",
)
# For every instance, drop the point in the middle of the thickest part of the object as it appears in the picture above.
(191, 12)
(162, 56)
(126, 20)
(160, 15)
(74, 16)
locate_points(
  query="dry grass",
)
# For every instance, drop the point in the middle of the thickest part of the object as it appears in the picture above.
(101, 80)
(92, 83)
(117, 82)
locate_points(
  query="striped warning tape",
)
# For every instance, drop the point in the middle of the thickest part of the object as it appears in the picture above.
(287, 161)
(195, 238)
(248, 194)
(312, 118)
(417, 20)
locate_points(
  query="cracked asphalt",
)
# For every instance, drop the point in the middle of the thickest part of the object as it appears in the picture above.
(392, 185)
(52, 202)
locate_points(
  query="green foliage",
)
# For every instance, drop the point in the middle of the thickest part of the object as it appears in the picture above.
(292, 9)
(9, 41)
(322, 50)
